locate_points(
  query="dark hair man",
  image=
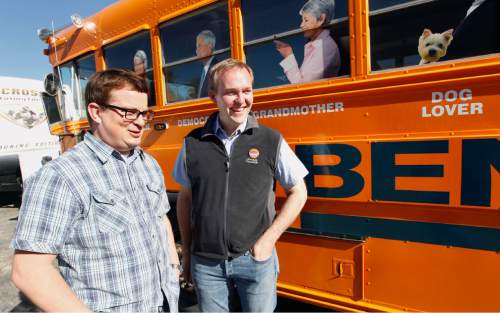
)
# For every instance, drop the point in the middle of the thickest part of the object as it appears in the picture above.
(227, 171)
(100, 210)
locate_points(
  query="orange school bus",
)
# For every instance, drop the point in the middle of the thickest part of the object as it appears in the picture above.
(403, 154)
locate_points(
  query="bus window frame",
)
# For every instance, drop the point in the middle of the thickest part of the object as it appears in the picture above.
(122, 38)
(170, 20)
(82, 90)
(74, 80)
(61, 128)
(416, 69)
(294, 32)
(348, 19)
(74, 61)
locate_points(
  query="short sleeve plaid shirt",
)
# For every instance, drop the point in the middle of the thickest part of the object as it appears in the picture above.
(103, 215)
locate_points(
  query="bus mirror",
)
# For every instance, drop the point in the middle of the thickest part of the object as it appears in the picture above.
(51, 108)
(51, 84)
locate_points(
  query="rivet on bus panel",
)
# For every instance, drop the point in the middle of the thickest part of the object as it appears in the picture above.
(366, 115)
(452, 133)
(369, 269)
(368, 250)
(368, 283)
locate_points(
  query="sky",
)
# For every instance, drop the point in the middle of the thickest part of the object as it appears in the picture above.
(21, 51)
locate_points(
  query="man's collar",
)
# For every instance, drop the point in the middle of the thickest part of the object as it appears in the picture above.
(213, 124)
(104, 151)
(251, 121)
(218, 129)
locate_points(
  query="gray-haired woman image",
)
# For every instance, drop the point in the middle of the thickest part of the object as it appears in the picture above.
(321, 53)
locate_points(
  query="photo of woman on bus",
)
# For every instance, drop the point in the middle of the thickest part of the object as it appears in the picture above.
(321, 53)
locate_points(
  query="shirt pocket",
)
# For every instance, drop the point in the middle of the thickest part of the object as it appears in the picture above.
(156, 196)
(112, 211)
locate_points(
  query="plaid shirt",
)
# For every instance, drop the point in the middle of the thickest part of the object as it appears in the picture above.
(103, 216)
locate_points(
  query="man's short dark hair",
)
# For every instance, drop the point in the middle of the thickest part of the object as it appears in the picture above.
(101, 84)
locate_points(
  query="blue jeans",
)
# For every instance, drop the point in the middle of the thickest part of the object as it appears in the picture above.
(217, 280)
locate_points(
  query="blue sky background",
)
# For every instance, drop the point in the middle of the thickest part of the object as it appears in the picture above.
(21, 52)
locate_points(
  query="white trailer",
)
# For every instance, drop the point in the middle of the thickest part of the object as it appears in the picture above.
(25, 141)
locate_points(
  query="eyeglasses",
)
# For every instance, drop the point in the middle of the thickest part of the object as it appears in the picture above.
(130, 114)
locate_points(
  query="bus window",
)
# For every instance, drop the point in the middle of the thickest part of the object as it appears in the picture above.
(85, 67)
(133, 53)
(275, 50)
(400, 31)
(188, 57)
(70, 101)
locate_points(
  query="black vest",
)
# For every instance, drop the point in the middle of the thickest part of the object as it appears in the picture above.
(232, 196)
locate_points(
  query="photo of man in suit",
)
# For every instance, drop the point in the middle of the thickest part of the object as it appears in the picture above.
(205, 46)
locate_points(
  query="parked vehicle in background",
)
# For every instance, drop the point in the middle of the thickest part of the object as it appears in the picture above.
(11, 184)
(26, 143)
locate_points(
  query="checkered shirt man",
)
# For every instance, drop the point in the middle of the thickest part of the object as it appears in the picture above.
(103, 216)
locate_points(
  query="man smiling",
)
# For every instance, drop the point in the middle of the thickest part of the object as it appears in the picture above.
(227, 171)
(100, 210)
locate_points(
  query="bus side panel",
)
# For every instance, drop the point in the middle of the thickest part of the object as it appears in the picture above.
(382, 274)
(431, 277)
(321, 263)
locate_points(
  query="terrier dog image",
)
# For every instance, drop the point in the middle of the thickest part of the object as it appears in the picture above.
(432, 47)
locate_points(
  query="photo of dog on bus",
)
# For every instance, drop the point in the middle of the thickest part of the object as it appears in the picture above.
(433, 46)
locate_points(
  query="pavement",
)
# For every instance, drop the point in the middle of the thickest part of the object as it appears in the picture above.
(10, 298)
